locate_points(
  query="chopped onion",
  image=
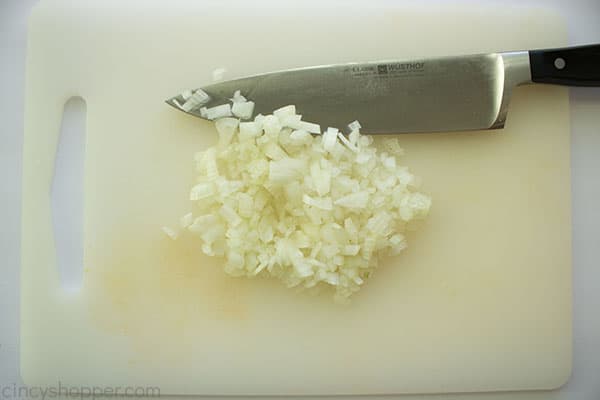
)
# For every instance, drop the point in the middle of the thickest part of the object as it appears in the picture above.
(351, 249)
(354, 200)
(347, 143)
(330, 138)
(243, 109)
(321, 178)
(226, 127)
(195, 100)
(285, 170)
(224, 110)
(310, 127)
(238, 98)
(300, 137)
(283, 112)
(170, 232)
(354, 126)
(322, 203)
(291, 121)
(271, 125)
(353, 137)
(186, 94)
(249, 130)
(393, 146)
(186, 220)
(218, 74)
(311, 211)
(201, 191)
(274, 151)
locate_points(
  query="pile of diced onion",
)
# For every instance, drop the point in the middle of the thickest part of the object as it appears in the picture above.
(276, 198)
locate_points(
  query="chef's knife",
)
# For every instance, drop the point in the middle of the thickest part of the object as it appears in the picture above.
(469, 92)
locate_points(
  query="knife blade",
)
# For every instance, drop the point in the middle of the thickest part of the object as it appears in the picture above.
(469, 92)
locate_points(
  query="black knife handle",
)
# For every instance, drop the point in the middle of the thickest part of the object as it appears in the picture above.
(572, 66)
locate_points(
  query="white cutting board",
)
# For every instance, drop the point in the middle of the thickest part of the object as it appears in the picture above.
(481, 300)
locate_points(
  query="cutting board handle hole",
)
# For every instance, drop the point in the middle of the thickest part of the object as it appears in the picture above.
(66, 195)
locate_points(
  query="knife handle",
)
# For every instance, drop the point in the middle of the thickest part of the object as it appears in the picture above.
(572, 66)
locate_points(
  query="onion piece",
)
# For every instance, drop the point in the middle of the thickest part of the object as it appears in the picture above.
(243, 109)
(237, 97)
(300, 137)
(354, 126)
(330, 138)
(224, 110)
(186, 94)
(321, 203)
(218, 74)
(354, 200)
(285, 112)
(226, 127)
(276, 201)
(352, 147)
(310, 127)
(171, 233)
(186, 220)
(249, 130)
(291, 121)
(285, 170)
(393, 146)
(202, 191)
(195, 100)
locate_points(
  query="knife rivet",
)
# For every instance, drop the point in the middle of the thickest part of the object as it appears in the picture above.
(560, 63)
